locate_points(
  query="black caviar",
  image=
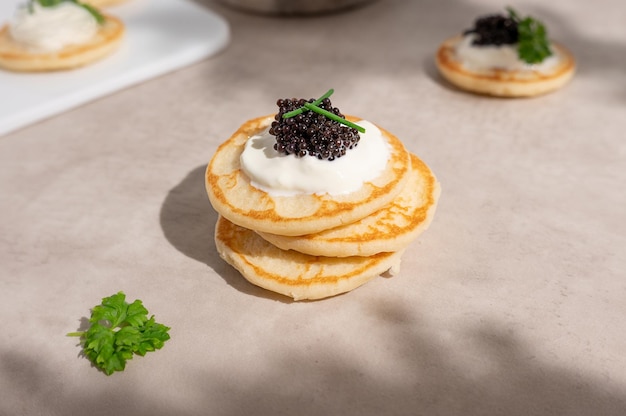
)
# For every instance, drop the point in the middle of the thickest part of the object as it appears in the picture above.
(310, 133)
(494, 29)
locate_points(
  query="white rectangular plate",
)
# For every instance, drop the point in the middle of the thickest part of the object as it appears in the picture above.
(161, 36)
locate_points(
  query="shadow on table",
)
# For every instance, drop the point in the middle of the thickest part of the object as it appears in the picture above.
(486, 371)
(188, 219)
(188, 222)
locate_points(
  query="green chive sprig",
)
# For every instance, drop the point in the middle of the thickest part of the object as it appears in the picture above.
(316, 102)
(314, 107)
(335, 117)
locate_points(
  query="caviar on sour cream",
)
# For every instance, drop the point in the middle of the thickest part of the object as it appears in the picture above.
(287, 175)
(49, 29)
(485, 57)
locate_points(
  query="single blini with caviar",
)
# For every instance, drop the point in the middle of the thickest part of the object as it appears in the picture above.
(505, 56)
(313, 203)
(51, 35)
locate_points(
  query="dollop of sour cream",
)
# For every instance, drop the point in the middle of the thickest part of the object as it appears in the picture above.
(485, 57)
(287, 175)
(49, 29)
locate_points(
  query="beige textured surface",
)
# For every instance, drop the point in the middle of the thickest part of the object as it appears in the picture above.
(511, 304)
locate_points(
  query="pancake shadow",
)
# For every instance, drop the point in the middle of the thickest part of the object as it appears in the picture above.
(188, 222)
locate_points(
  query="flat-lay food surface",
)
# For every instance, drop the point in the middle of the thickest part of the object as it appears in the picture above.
(213, 241)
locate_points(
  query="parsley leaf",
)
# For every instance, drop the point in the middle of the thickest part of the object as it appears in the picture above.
(118, 331)
(51, 3)
(533, 45)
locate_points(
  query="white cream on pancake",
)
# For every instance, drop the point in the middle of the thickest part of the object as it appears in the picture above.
(49, 29)
(505, 57)
(287, 175)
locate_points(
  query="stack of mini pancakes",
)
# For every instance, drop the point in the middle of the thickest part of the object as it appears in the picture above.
(314, 246)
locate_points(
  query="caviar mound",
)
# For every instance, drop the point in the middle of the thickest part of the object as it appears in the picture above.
(310, 133)
(494, 29)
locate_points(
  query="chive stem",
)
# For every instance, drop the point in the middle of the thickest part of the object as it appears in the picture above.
(335, 117)
(316, 103)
